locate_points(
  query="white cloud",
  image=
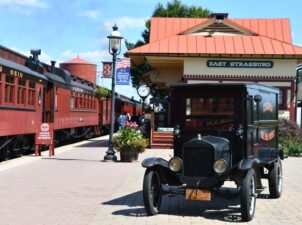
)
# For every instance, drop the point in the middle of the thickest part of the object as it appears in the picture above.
(95, 57)
(27, 3)
(92, 14)
(44, 57)
(124, 23)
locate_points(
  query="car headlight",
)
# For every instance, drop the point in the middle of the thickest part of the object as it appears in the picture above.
(220, 166)
(175, 164)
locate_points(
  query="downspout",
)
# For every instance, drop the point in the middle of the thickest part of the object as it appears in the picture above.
(298, 69)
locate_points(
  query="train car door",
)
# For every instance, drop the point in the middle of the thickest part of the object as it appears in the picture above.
(49, 103)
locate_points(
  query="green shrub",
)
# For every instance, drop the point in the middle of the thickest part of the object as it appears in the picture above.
(290, 137)
(292, 149)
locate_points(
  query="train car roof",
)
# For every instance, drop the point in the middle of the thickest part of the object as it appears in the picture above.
(22, 69)
(82, 86)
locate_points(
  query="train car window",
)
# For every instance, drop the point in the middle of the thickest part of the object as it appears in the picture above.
(0, 87)
(89, 104)
(10, 79)
(9, 89)
(15, 58)
(56, 98)
(32, 84)
(31, 93)
(76, 105)
(21, 82)
(1, 53)
(40, 96)
(72, 102)
(84, 102)
(21, 92)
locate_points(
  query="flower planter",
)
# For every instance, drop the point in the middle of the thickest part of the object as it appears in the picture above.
(129, 155)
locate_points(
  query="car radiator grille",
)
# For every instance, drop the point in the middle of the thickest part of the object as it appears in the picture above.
(198, 162)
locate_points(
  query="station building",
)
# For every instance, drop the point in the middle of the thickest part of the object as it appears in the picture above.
(222, 50)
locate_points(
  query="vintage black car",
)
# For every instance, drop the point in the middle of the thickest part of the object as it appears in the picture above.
(222, 132)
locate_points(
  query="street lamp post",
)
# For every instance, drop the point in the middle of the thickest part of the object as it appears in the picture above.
(114, 49)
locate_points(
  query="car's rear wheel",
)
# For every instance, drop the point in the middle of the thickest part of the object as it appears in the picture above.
(248, 195)
(275, 180)
(152, 192)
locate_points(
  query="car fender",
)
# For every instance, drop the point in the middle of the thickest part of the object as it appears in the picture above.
(166, 175)
(246, 164)
(153, 161)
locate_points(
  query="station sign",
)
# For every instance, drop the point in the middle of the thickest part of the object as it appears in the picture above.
(240, 64)
(44, 135)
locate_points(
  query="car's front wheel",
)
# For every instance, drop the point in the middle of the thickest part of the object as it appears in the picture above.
(152, 192)
(248, 195)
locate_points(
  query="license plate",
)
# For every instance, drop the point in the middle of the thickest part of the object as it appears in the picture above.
(196, 194)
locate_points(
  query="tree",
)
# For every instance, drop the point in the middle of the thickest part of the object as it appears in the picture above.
(102, 92)
(172, 9)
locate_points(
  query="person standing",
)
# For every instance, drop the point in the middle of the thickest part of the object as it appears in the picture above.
(121, 120)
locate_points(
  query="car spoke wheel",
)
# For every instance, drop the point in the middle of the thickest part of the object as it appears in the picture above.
(152, 192)
(248, 195)
(275, 180)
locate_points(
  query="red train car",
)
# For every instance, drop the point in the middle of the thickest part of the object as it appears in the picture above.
(21, 103)
(71, 105)
(32, 93)
(123, 104)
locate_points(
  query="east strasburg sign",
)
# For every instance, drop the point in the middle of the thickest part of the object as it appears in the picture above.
(240, 64)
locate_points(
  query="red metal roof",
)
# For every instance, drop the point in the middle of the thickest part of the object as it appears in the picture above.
(267, 36)
(77, 60)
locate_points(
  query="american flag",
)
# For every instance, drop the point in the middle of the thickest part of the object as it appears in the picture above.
(123, 63)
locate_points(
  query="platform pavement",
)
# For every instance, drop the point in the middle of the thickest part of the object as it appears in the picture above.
(75, 188)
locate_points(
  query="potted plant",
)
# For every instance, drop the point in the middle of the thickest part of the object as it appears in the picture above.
(129, 142)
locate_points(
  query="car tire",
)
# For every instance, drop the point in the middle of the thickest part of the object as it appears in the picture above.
(152, 192)
(275, 180)
(248, 195)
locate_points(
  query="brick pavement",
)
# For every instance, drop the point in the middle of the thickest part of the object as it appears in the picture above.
(75, 188)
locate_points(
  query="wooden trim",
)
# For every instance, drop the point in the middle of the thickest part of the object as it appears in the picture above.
(84, 111)
(275, 78)
(17, 108)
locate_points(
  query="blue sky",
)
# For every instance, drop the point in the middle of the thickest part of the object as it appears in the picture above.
(65, 28)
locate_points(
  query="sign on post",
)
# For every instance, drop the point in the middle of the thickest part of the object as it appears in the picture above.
(45, 136)
(123, 71)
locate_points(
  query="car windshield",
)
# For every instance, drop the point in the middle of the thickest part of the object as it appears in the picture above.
(210, 113)
(210, 106)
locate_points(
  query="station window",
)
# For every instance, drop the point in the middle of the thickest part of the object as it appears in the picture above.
(282, 98)
(21, 92)
(31, 93)
(9, 90)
